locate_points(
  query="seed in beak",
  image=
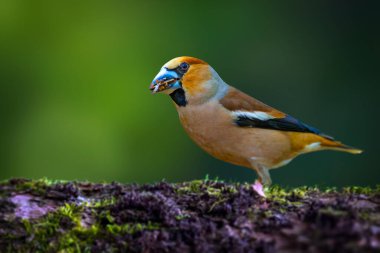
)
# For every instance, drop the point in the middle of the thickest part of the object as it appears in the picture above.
(164, 84)
(156, 88)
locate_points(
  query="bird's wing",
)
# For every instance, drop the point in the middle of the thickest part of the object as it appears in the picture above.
(249, 112)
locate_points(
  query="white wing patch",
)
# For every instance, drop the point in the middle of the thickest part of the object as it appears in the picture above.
(263, 116)
(312, 147)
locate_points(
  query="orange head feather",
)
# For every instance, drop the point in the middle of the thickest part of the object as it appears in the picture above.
(199, 81)
(197, 74)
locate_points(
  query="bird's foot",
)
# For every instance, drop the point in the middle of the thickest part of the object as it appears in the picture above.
(259, 188)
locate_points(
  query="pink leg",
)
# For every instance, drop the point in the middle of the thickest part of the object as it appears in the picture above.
(264, 177)
(258, 187)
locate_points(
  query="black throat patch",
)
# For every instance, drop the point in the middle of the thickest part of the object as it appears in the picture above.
(179, 97)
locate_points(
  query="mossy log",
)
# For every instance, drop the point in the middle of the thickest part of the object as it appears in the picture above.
(197, 216)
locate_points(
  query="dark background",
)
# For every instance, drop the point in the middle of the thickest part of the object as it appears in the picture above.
(74, 91)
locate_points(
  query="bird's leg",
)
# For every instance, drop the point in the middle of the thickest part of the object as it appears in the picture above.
(264, 178)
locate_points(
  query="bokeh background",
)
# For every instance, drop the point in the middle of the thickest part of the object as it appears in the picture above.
(74, 84)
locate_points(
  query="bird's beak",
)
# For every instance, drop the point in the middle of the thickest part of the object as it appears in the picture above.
(166, 81)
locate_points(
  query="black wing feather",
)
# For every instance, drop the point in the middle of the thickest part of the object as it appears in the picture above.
(287, 123)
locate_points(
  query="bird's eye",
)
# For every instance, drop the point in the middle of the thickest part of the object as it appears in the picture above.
(184, 66)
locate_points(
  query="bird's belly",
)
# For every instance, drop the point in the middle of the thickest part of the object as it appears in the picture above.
(216, 133)
(219, 146)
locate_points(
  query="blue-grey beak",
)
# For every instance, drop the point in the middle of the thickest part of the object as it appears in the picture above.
(166, 81)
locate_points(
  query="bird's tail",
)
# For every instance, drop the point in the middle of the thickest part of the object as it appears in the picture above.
(338, 146)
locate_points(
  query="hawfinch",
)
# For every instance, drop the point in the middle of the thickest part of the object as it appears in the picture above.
(233, 126)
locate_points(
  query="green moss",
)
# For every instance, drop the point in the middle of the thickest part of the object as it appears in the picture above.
(190, 187)
(361, 190)
(199, 186)
(63, 231)
(106, 216)
(332, 212)
(78, 238)
(48, 235)
(195, 186)
(181, 217)
(72, 212)
(277, 194)
(96, 203)
(210, 188)
(289, 197)
(331, 190)
(37, 187)
(218, 202)
(131, 228)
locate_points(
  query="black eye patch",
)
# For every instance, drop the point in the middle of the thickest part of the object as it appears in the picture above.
(179, 97)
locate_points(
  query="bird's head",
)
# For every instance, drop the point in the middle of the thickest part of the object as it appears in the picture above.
(187, 80)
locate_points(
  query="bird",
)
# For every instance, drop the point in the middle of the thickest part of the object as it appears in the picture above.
(233, 126)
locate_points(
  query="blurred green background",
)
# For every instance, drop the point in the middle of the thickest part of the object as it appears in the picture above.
(74, 91)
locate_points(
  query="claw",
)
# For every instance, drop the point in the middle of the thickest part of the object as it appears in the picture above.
(258, 187)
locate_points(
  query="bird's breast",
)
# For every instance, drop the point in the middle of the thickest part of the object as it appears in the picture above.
(212, 128)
